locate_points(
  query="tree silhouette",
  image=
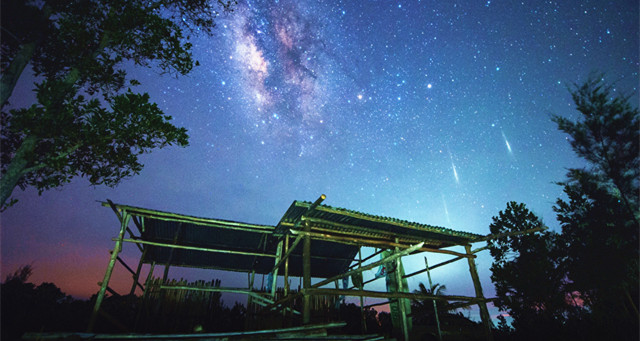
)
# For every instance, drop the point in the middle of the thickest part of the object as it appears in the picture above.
(86, 120)
(422, 311)
(528, 274)
(599, 218)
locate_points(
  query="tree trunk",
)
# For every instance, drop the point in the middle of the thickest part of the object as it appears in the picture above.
(17, 168)
(12, 74)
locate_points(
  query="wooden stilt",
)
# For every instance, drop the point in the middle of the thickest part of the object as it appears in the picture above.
(274, 282)
(306, 274)
(145, 293)
(364, 319)
(435, 306)
(137, 274)
(482, 304)
(401, 302)
(176, 237)
(286, 272)
(107, 275)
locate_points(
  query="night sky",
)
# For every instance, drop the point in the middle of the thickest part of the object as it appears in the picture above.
(436, 112)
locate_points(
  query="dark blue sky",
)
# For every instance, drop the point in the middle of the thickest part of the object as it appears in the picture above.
(430, 111)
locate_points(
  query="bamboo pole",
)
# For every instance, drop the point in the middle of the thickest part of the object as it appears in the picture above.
(286, 272)
(145, 294)
(364, 320)
(174, 217)
(390, 295)
(401, 302)
(176, 236)
(367, 258)
(484, 312)
(435, 306)
(196, 248)
(107, 275)
(507, 234)
(444, 263)
(306, 271)
(117, 212)
(373, 242)
(288, 252)
(372, 265)
(274, 281)
(137, 274)
(367, 282)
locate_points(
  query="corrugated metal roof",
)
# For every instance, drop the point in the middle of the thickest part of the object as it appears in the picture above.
(328, 258)
(343, 221)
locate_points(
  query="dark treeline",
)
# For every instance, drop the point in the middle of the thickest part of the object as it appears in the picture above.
(580, 283)
(27, 307)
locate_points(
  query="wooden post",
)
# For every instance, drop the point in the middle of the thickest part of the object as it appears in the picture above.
(274, 282)
(286, 272)
(306, 273)
(145, 293)
(168, 264)
(482, 304)
(361, 286)
(401, 302)
(286, 265)
(250, 310)
(137, 274)
(435, 307)
(107, 275)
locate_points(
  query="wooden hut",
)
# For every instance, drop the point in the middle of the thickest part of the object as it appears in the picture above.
(311, 240)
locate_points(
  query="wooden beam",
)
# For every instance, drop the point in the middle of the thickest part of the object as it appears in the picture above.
(306, 274)
(275, 270)
(195, 248)
(288, 252)
(117, 212)
(136, 275)
(371, 266)
(389, 295)
(373, 242)
(401, 302)
(367, 282)
(435, 306)
(176, 237)
(444, 263)
(507, 234)
(367, 258)
(484, 312)
(107, 275)
(166, 216)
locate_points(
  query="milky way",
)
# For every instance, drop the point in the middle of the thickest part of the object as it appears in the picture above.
(279, 53)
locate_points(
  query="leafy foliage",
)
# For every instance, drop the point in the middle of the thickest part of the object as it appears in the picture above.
(582, 283)
(527, 271)
(422, 310)
(599, 218)
(87, 121)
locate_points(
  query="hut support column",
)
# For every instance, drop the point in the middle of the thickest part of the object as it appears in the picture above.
(401, 301)
(286, 273)
(274, 282)
(107, 275)
(361, 286)
(435, 306)
(136, 276)
(482, 304)
(306, 273)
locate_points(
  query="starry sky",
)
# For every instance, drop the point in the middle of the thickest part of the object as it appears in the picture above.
(436, 112)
